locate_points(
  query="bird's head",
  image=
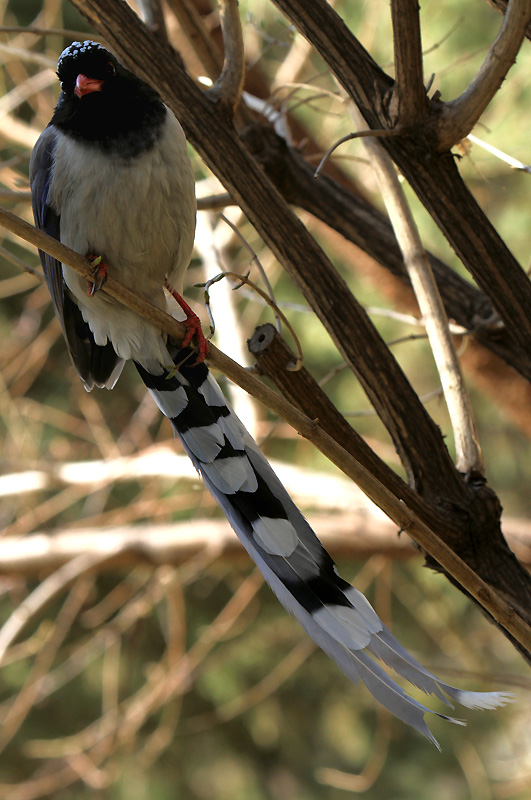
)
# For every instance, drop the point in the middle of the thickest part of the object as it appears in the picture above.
(86, 67)
(103, 102)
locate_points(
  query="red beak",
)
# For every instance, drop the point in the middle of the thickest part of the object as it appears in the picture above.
(86, 85)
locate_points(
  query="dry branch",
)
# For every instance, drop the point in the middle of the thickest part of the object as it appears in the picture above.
(432, 175)
(339, 206)
(352, 535)
(301, 389)
(52, 586)
(193, 26)
(228, 87)
(468, 452)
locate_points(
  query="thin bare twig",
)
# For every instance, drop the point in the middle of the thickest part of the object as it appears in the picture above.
(268, 686)
(295, 87)
(357, 135)
(363, 780)
(369, 412)
(46, 591)
(162, 686)
(244, 281)
(27, 696)
(443, 39)
(27, 55)
(32, 86)
(515, 163)
(256, 261)
(468, 452)
(38, 31)
(228, 87)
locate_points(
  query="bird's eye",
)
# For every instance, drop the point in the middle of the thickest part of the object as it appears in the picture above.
(111, 69)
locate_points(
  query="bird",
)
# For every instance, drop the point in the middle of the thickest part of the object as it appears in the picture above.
(111, 178)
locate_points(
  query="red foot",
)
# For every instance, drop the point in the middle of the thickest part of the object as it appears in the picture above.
(193, 324)
(99, 272)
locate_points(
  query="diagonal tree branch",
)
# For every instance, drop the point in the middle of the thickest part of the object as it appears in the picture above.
(501, 8)
(432, 175)
(228, 87)
(410, 92)
(300, 388)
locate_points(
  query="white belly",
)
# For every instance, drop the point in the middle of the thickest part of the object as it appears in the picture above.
(139, 216)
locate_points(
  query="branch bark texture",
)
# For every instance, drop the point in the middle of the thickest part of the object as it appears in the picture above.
(430, 170)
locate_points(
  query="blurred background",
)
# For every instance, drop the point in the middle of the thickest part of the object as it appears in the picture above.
(146, 657)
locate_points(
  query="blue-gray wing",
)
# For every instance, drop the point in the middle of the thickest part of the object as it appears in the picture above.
(41, 169)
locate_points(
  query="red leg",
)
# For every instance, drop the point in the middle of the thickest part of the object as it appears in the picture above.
(99, 272)
(193, 324)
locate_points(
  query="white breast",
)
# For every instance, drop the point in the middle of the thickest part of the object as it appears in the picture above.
(137, 214)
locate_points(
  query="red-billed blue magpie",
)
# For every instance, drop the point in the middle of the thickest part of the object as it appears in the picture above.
(111, 178)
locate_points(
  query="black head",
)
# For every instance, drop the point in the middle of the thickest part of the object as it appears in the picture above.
(88, 59)
(105, 104)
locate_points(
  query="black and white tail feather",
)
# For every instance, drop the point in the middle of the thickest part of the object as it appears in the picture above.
(287, 551)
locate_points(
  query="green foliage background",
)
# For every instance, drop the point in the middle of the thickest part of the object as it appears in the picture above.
(237, 729)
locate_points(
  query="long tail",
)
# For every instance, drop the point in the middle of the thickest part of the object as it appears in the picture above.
(287, 551)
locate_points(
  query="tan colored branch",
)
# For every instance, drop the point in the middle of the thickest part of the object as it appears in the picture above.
(458, 117)
(152, 13)
(54, 585)
(356, 534)
(13, 130)
(468, 452)
(197, 34)
(228, 87)
(319, 490)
